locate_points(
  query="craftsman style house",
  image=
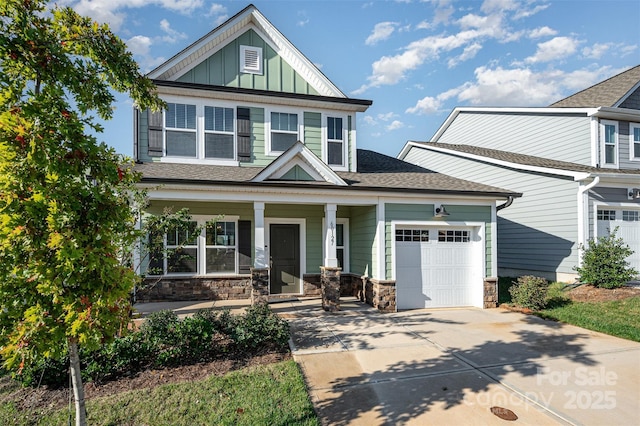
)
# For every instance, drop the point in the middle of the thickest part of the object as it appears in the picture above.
(576, 162)
(255, 136)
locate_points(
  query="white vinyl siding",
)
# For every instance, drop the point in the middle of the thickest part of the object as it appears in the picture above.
(561, 137)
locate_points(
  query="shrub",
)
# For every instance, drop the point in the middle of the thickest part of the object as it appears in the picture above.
(604, 262)
(529, 292)
(259, 327)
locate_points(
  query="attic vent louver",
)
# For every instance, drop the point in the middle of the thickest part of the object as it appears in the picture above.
(251, 59)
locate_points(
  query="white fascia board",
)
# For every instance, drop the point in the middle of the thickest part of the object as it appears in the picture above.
(506, 110)
(577, 176)
(625, 114)
(285, 161)
(616, 180)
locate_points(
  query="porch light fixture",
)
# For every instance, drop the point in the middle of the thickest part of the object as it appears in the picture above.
(441, 212)
(634, 193)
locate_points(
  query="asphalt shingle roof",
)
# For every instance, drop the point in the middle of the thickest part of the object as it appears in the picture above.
(604, 94)
(528, 160)
(375, 172)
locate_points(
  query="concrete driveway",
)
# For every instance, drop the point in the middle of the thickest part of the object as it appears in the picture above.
(451, 366)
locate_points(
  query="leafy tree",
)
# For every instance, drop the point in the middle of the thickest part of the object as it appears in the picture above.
(604, 262)
(65, 216)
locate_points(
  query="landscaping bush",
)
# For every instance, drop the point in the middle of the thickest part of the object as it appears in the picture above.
(529, 292)
(164, 340)
(604, 262)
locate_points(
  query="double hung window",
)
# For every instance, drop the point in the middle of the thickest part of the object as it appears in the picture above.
(609, 142)
(218, 132)
(335, 141)
(284, 131)
(634, 138)
(180, 133)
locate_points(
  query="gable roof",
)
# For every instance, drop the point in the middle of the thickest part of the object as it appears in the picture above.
(376, 172)
(608, 93)
(520, 161)
(249, 17)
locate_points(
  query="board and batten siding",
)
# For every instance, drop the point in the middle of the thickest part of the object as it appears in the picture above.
(561, 137)
(424, 212)
(539, 231)
(362, 240)
(223, 69)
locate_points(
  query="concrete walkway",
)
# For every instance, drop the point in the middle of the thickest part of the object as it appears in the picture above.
(451, 366)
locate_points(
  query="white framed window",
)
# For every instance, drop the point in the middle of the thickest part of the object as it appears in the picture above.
(336, 141)
(219, 132)
(180, 130)
(211, 251)
(609, 143)
(634, 141)
(606, 214)
(251, 59)
(630, 215)
(412, 235)
(453, 236)
(284, 131)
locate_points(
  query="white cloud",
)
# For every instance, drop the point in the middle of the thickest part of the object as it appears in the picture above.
(523, 12)
(171, 35)
(387, 116)
(395, 124)
(469, 52)
(542, 32)
(430, 105)
(490, 6)
(556, 48)
(596, 51)
(381, 31)
(369, 120)
(139, 45)
(627, 50)
(219, 12)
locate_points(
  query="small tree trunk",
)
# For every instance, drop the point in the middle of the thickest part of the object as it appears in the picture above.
(76, 380)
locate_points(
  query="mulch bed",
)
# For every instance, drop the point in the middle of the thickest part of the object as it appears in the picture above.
(45, 398)
(589, 293)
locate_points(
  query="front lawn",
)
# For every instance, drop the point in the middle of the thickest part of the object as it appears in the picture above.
(272, 394)
(619, 318)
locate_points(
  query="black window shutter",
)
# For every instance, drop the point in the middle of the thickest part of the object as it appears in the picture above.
(244, 134)
(155, 133)
(244, 246)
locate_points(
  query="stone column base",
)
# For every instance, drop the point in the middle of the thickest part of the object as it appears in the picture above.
(330, 288)
(490, 293)
(259, 286)
(381, 294)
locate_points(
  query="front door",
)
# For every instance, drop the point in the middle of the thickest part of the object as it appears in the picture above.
(285, 258)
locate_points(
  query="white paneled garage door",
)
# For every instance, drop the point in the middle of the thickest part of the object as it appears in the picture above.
(628, 223)
(438, 267)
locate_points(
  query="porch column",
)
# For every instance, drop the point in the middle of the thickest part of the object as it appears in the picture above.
(330, 254)
(260, 258)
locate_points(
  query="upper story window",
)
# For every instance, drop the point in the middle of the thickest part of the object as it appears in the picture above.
(251, 59)
(335, 141)
(634, 139)
(180, 130)
(284, 131)
(609, 143)
(218, 132)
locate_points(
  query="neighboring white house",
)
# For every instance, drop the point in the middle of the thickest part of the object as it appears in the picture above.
(255, 133)
(576, 162)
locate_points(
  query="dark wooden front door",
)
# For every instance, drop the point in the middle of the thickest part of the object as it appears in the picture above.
(285, 258)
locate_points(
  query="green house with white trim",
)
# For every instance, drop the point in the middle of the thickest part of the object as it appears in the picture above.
(257, 137)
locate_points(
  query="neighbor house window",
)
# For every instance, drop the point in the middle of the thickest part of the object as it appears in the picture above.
(606, 215)
(180, 130)
(634, 138)
(284, 131)
(609, 138)
(630, 215)
(335, 141)
(218, 132)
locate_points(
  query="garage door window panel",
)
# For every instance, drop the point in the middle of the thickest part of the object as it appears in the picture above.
(453, 236)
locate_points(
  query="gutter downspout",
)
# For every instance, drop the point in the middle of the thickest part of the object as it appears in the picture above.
(583, 207)
(506, 204)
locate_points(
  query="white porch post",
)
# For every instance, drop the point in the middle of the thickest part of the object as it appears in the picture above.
(330, 255)
(260, 258)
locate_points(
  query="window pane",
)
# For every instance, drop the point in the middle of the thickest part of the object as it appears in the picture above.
(282, 141)
(181, 144)
(334, 128)
(170, 116)
(339, 235)
(221, 234)
(218, 119)
(636, 149)
(285, 122)
(218, 146)
(221, 260)
(340, 256)
(334, 154)
(609, 133)
(183, 260)
(610, 154)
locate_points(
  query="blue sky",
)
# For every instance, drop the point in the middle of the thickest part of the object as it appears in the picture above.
(416, 60)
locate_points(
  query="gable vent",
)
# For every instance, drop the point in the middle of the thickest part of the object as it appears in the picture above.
(251, 59)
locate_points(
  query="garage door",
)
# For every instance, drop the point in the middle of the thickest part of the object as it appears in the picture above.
(628, 223)
(438, 267)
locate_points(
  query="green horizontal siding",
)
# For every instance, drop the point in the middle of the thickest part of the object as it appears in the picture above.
(362, 240)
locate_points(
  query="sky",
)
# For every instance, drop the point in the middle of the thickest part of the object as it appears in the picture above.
(415, 59)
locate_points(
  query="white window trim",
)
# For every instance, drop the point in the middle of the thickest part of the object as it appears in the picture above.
(632, 126)
(165, 129)
(344, 221)
(215, 132)
(603, 163)
(200, 132)
(243, 63)
(267, 128)
(345, 141)
(201, 246)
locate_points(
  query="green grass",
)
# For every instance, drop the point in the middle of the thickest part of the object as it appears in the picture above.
(273, 394)
(619, 318)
